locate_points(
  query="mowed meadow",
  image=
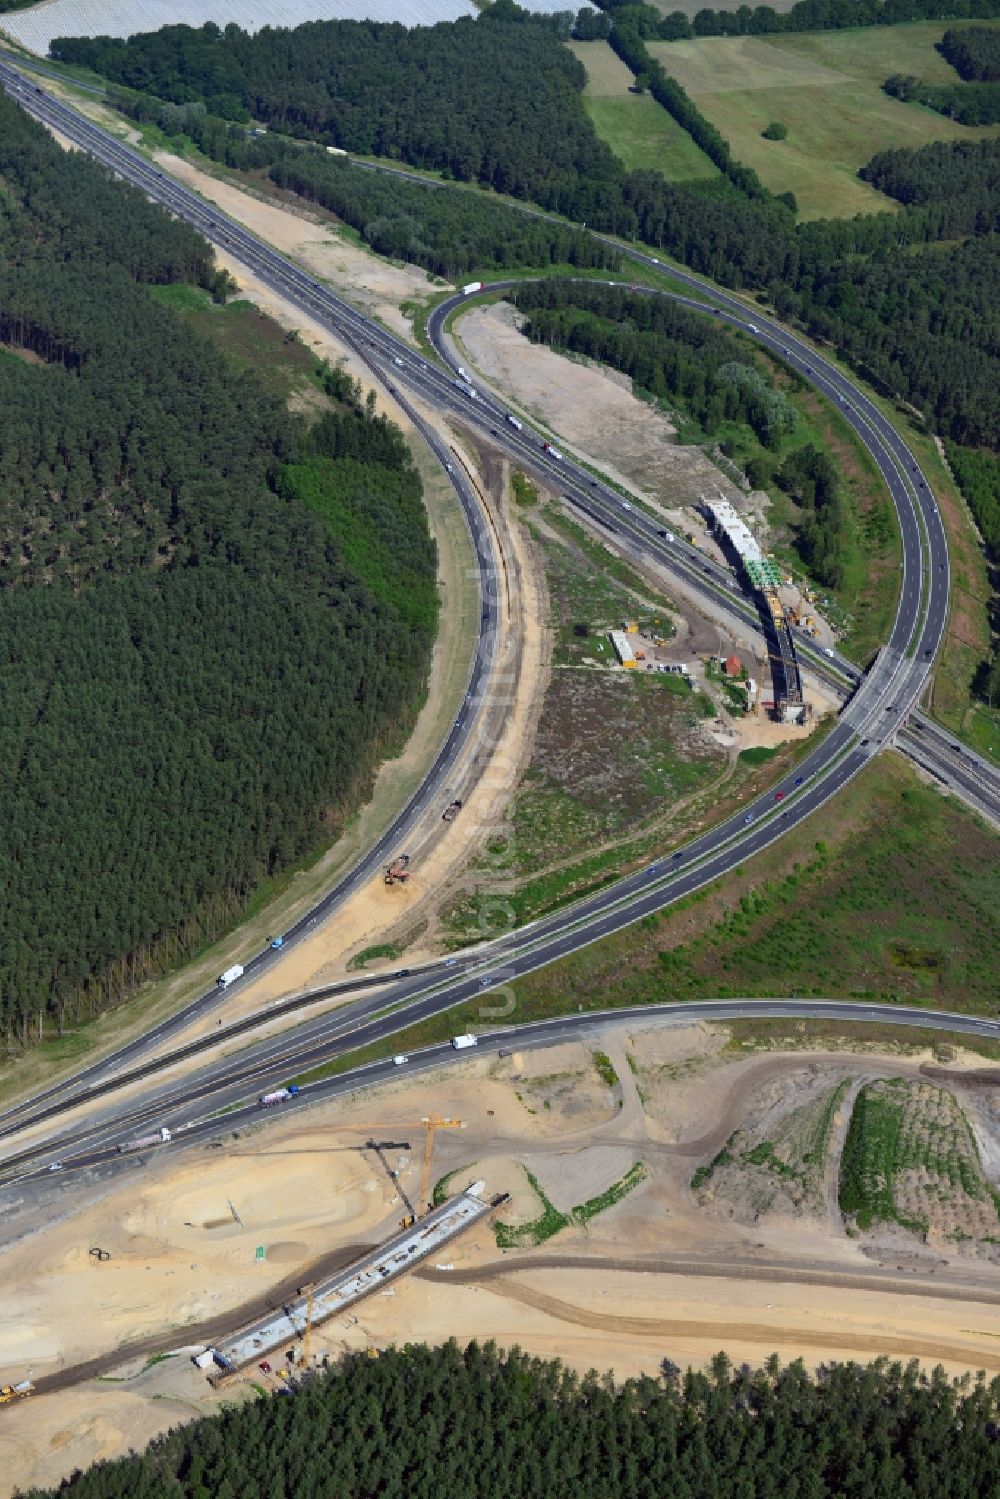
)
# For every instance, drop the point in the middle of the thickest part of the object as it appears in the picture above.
(826, 88)
(641, 134)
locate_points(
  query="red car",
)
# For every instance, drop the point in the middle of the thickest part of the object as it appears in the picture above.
(264, 1368)
(779, 796)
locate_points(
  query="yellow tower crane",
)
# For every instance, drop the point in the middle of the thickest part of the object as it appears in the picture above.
(433, 1122)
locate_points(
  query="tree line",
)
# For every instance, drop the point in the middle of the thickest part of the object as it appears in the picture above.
(804, 15)
(447, 233)
(974, 53)
(481, 1423)
(202, 664)
(967, 103)
(963, 172)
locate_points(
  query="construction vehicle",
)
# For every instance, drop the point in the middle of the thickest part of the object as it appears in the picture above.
(433, 1122)
(451, 812)
(398, 872)
(10, 1392)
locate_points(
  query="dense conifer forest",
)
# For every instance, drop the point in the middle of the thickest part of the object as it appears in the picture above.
(908, 298)
(213, 621)
(484, 1424)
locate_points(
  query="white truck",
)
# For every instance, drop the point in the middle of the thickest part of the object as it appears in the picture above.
(230, 976)
(268, 1100)
(473, 286)
(514, 422)
(466, 390)
(461, 1042)
(399, 1060)
(143, 1142)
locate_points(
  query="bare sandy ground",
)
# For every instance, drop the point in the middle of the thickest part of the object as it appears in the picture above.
(375, 285)
(652, 1277)
(592, 409)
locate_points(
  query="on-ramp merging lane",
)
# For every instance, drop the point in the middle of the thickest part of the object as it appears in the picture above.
(882, 701)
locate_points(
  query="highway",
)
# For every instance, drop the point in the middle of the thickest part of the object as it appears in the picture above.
(880, 705)
(98, 1157)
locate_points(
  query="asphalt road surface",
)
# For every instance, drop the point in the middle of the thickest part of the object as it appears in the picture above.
(881, 703)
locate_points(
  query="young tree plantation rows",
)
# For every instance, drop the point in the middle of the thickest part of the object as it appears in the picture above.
(213, 621)
(484, 1424)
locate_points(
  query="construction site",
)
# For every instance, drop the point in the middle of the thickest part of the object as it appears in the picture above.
(624, 1207)
(764, 580)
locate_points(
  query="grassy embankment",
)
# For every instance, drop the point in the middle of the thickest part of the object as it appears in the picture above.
(826, 87)
(889, 893)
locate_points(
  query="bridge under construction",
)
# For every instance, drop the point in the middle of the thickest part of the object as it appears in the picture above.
(736, 538)
(365, 1276)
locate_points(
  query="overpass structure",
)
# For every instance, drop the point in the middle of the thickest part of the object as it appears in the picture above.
(373, 1272)
(735, 536)
(879, 705)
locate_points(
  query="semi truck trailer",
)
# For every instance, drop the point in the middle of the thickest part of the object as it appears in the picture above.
(267, 1100)
(143, 1142)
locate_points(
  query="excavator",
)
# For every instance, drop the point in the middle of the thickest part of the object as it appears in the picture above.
(398, 872)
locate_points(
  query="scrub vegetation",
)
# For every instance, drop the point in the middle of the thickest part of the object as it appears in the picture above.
(910, 1158)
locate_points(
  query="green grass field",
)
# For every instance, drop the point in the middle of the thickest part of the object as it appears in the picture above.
(826, 87)
(641, 134)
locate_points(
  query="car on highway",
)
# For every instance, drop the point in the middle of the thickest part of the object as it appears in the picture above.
(748, 819)
(626, 505)
(799, 780)
(677, 856)
(56, 1166)
(779, 796)
(402, 973)
(277, 942)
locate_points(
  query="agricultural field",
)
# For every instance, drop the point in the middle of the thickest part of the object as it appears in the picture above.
(34, 28)
(910, 1159)
(826, 88)
(776, 1160)
(639, 132)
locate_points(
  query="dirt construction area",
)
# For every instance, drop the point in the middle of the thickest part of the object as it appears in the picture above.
(591, 408)
(670, 1193)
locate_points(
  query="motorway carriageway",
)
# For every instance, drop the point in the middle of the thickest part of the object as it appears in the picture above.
(881, 702)
(98, 1155)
